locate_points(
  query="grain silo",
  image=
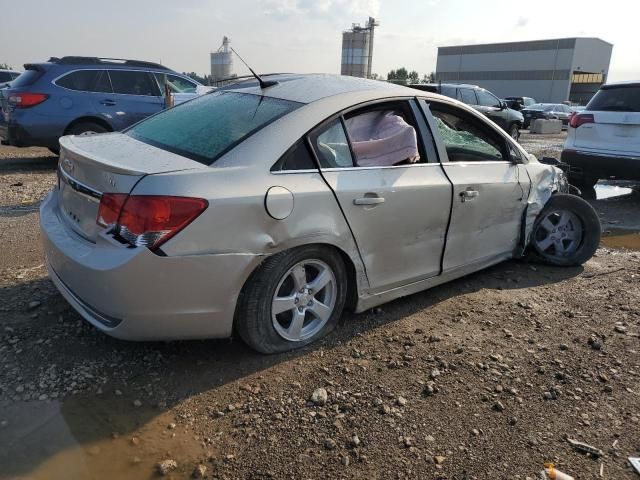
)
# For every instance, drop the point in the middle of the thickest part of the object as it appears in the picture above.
(357, 49)
(221, 62)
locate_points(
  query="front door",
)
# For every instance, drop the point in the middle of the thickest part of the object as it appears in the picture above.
(490, 188)
(491, 106)
(135, 96)
(391, 189)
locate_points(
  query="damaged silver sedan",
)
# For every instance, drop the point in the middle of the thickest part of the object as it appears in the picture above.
(267, 209)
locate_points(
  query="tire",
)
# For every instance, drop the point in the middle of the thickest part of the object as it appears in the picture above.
(86, 128)
(567, 231)
(514, 131)
(278, 280)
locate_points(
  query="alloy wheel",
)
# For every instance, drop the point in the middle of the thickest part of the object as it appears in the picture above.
(559, 234)
(304, 300)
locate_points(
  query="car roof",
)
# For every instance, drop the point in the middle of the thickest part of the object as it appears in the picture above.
(629, 83)
(309, 88)
(98, 63)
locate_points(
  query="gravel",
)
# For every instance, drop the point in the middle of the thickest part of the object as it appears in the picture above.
(483, 377)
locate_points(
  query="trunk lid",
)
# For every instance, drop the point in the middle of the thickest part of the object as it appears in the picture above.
(113, 162)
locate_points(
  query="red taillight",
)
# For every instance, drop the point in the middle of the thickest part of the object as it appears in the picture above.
(110, 207)
(26, 99)
(576, 119)
(148, 220)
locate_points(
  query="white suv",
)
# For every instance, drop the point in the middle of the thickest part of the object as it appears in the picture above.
(604, 139)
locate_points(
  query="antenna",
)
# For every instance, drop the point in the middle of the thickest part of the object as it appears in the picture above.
(263, 83)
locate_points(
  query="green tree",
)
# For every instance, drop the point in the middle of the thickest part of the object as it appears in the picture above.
(398, 76)
(196, 77)
(414, 77)
(5, 66)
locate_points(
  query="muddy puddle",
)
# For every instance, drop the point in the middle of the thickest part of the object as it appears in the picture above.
(609, 191)
(620, 238)
(93, 438)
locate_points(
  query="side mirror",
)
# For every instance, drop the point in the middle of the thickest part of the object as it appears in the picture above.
(503, 106)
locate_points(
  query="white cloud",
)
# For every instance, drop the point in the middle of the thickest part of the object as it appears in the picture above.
(522, 22)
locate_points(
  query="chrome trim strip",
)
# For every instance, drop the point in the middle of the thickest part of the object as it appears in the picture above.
(480, 162)
(79, 187)
(306, 170)
(388, 167)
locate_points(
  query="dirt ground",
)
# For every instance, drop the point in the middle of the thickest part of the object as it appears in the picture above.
(485, 377)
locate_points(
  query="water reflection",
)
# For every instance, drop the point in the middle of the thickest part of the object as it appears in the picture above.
(619, 238)
(603, 191)
(90, 438)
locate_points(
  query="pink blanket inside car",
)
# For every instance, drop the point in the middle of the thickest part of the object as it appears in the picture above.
(382, 139)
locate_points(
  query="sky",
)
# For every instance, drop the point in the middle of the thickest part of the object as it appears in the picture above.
(302, 35)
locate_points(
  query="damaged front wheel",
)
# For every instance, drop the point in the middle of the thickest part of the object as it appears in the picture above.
(567, 231)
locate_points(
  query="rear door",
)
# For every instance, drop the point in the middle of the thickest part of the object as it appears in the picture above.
(135, 96)
(81, 92)
(489, 188)
(391, 188)
(468, 96)
(616, 115)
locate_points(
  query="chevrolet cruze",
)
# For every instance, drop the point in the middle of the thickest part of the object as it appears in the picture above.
(266, 208)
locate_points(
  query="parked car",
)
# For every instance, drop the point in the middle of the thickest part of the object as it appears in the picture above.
(521, 102)
(75, 95)
(482, 100)
(546, 111)
(7, 76)
(266, 210)
(604, 139)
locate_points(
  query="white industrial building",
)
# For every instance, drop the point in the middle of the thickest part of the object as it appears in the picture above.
(221, 62)
(548, 70)
(357, 50)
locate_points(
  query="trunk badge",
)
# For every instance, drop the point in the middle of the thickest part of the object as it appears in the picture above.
(68, 164)
(111, 180)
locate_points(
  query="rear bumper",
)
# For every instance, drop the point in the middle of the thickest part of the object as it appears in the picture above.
(41, 132)
(601, 165)
(133, 294)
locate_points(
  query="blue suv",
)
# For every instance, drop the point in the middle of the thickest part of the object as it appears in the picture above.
(76, 95)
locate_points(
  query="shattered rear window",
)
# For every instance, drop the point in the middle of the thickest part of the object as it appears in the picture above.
(207, 127)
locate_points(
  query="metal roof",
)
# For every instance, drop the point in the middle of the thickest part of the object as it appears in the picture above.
(308, 88)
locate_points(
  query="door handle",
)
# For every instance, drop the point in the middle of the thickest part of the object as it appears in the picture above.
(368, 200)
(108, 103)
(468, 195)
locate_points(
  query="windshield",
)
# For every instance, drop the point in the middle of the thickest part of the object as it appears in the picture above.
(209, 126)
(540, 106)
(616, 99)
